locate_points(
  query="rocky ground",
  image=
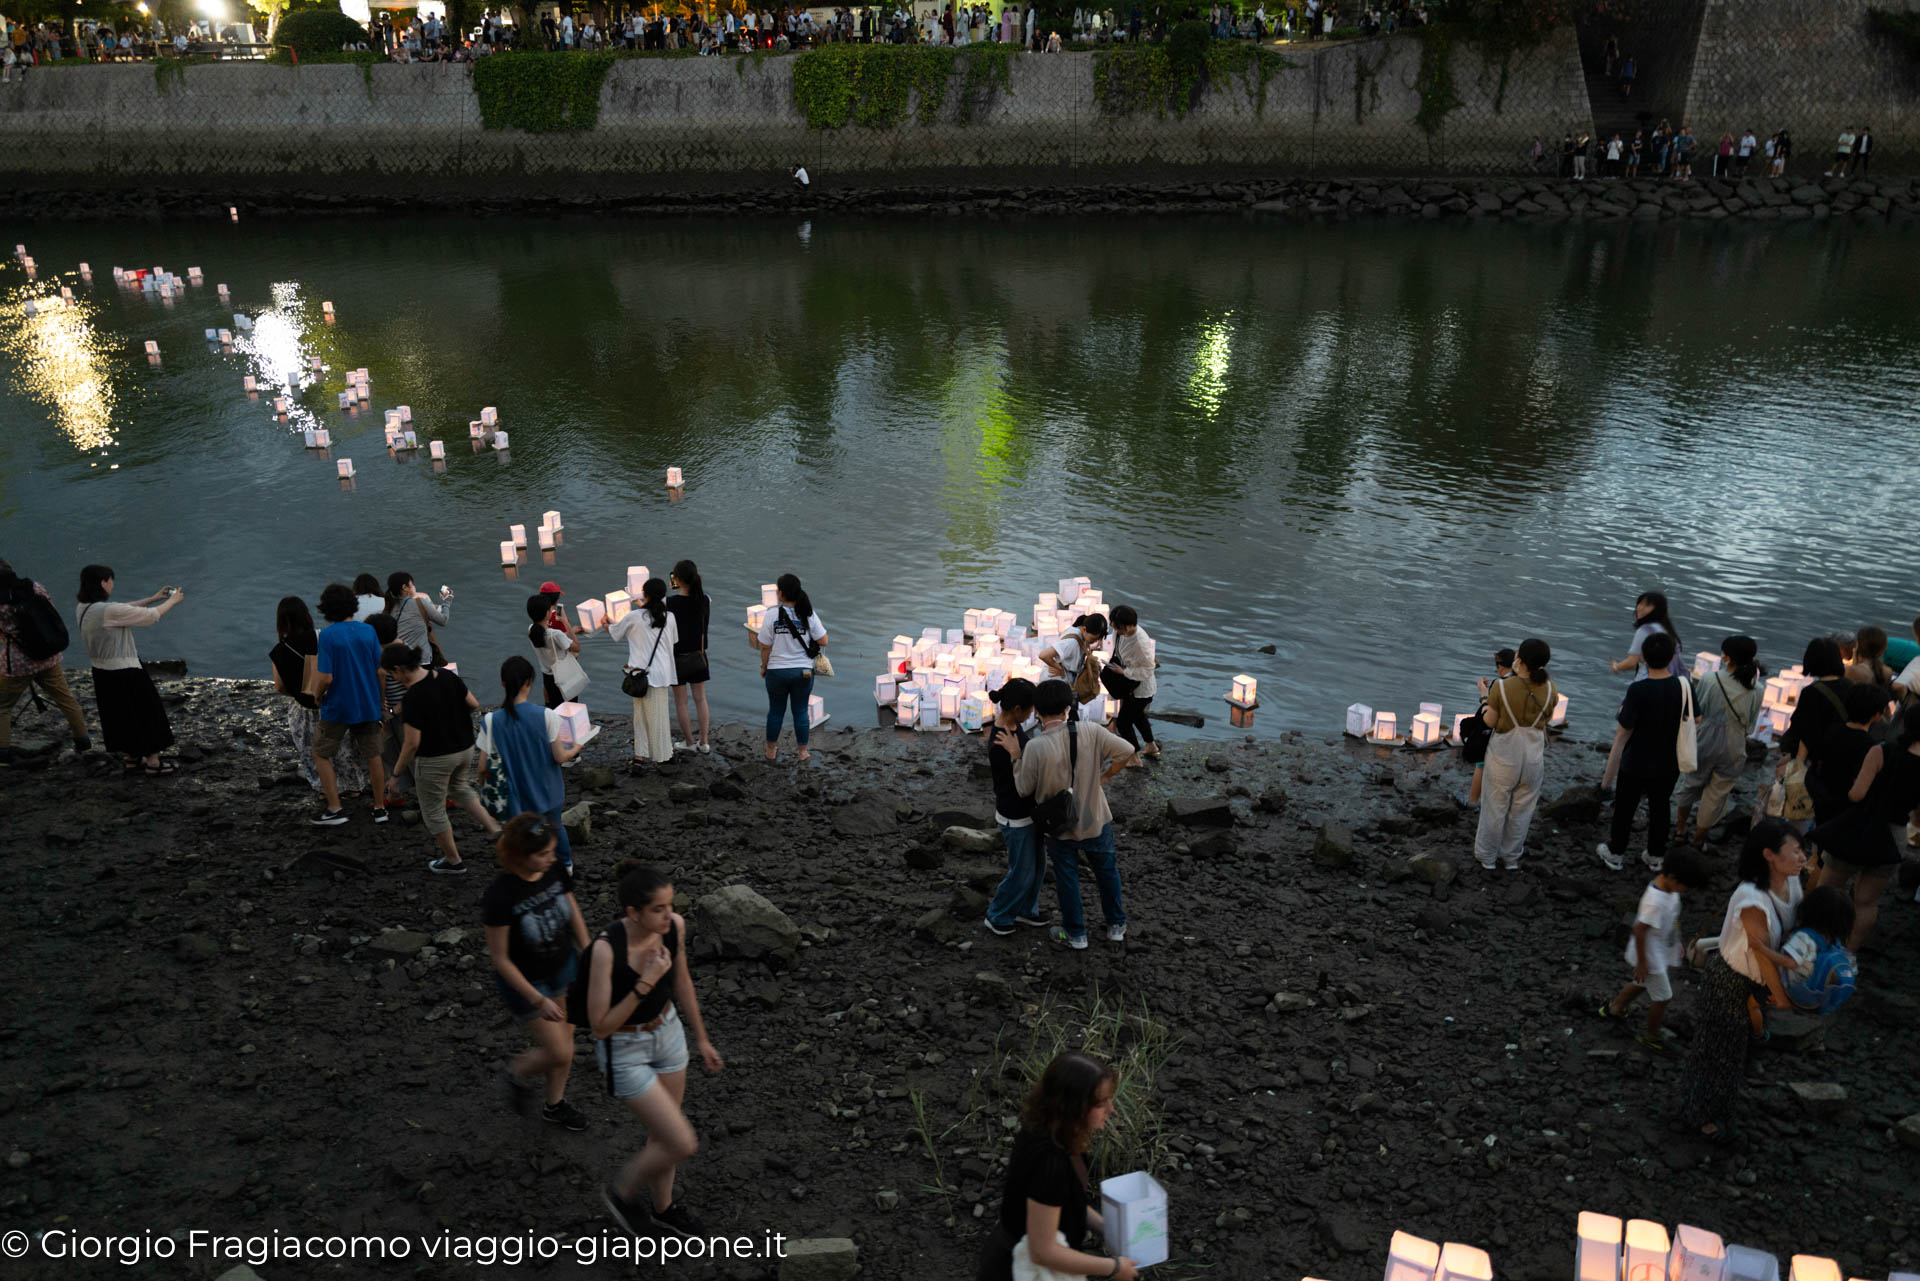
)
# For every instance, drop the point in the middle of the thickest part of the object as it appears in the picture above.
(1759, 199)
(221, 1017)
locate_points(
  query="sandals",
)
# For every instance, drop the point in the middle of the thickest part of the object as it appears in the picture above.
(636, 766)
(161, 770)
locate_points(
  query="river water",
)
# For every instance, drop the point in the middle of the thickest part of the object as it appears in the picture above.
(1383, 450)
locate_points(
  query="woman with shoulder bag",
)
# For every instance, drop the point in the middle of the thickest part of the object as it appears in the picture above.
(1130, 679)
(649, 631)
(521, 755)
(556, 650)
(791, 640)
(293, 669)
(1518, 707)
(1728, 703)
(415, 617)
(1071, 658)
(692, 611)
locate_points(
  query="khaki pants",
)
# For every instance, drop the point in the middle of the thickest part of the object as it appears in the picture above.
(443, 778)
(54, 682)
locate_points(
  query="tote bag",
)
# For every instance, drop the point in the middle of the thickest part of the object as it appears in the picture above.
(1686, 744)
(569, 676)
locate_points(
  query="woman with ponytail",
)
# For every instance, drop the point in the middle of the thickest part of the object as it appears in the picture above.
(548, 641)
(1727, 703)
(692, 611)
(1518, 708)
(632, 995)
(790, 640)
(649, 631)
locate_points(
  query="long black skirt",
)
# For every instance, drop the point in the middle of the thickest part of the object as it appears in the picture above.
(133, 721)
(1717, 1062)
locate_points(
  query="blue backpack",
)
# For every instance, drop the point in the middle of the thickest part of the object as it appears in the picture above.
(1827, 988)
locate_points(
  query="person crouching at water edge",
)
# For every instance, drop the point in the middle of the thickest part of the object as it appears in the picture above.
(634, 989)
(1518, 707)
(534, 934)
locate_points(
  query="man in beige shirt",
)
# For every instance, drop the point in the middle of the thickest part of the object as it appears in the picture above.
(1049, 764)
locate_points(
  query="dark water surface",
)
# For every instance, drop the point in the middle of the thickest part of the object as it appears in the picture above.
(1384, 449)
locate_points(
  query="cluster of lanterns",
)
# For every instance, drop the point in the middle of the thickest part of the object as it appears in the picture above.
(1608, 1249)
(943, 676)
(547, 536)
(1428, 729)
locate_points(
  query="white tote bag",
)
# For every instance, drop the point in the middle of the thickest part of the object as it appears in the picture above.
(569, 676)
(1686, 745)
(1025, 1269)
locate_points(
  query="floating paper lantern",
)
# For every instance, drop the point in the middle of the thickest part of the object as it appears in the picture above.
(280, 406)
(233, 213)
(475, 430)
(1467, 1263)
(674, 479)
(1697, 1255)
(323, 438)
(906, 706)
(345, 468)
(314, 364)
(1778, 718)
(346, 400)
(1646, 1251)
(1426, 730)
(509, 553)
(362, 393)
(85, 269)
(1359, 720)
(405, 412)
(975, 711)
(619, 604)
(545, 536)
(1597, 1257)
(1558, 718)
(519, 533)
(1433, 710)
(326, 309)
(153, 348)
(1386, 727)
(816, 710)
(769, 595)
(1245, 691)
(312, 436)
(950, 696)
(500, 440)
(636, 580)
(1744, 1263)
(437, 448)
(885, 689)
(551, 520)
(1705, 662)
(248, 384)
(489, 416)
(574, 722)
(756, 617)
(193, 273)
(409, 440)
(929, 714)
(221, 289)
(1411, 1258)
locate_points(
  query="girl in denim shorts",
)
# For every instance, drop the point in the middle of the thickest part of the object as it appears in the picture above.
(632, 994)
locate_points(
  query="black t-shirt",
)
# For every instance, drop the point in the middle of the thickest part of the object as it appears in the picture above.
(691, 620)
(1040, 1171)
(436, 705)
(1822, 707)
(539, 922)
(1006, 797)
(1652, 710)
(290, 664)
(1833, 763)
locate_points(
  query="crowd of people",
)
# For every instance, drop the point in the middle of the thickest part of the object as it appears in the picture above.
(374, 708)
(1667, 152)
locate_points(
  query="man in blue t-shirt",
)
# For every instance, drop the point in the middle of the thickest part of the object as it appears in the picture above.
(349, 693)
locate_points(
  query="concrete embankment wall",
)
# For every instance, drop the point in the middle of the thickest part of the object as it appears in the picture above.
(1811, 68)
(710, 123)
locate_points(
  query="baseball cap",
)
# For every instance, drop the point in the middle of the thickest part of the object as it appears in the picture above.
(552, 587)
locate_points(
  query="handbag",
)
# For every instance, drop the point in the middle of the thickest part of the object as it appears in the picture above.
(1025, 1269)
(495, 797)
(635, 683)
(310, 675)
(822, 665)
(1086, 681)
(1686, 743)
(1118, 683)
(569, 677)
(1058, 812)
(1795, 801)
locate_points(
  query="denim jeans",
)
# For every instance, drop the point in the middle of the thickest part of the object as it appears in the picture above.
(1100, 853)
(788, 685)
(1019, 892)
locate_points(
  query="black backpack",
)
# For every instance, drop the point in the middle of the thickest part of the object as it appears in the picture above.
(38, 630)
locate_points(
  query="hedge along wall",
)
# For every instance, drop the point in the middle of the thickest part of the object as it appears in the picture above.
(1392, 105)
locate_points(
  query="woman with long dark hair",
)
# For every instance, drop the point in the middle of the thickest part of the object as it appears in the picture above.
(525, 739)
(534, 936)
(1017, 900)
(415, 617)
(1518, 707)
(1727, 703)
(1650, 617)
(133, 721)
(633, 994)
(649, 631)
(1044, 1215)
(1863, 845)
(1747, 965)
(790, 642)
(692, 611)
(298, 642)
(549, 643)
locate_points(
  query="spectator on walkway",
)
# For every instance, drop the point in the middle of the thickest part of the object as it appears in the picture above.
(30, 627)
(1628, 70)
(1863, 845)
(347, 680)
(1842, 154)
(550, 643)
(133, 721)
(369, 597)
(1862, 151)
(436, 719)
(1074, 761)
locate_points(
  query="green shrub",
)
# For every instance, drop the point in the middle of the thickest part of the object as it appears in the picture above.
(541, 92)
(872, 85)
(319, 30)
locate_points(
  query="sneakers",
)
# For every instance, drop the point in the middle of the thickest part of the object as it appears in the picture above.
(380, 815)
(565, 1115)
(1078, 942)
(705, 749)
(676, 1219)
(1024, 919)
(1001, 930)
(444, 868)
(330, 818)
(82, 744)
(1652, 864)
(1657, 1045)
(1606, 1010)
(519, 1093)
(1608, 857)
(1117, 933)
(627, 1214)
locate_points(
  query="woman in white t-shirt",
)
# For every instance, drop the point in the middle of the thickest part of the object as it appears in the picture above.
(549, 644)
(650, 633)
(790, 638)
(1746, 967)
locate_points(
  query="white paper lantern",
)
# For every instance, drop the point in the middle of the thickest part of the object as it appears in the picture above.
(636, 580)
(519, 533)
(193, 273)
(1411, 1258)
(1697, 1255)
(816, 710)
(1811, 1267)
(1646, 1251)
(674, 479)
(1559, 715)
(756, 617)
(1426, 730)
(312, 437)
(222, 289)
(574, 722)
(769, 595)
(1433, 710)
(1245, 691)
(551, 520)
(475, 430)
(323, 438)
(153, 348)
(213, 335)
(546, 538)
(1466, 1263)
(509, 553)
(591, 614)
(248, 384)
(346, 400)
(1744, 1263)
(437, 448)
(1597, 1257)
(1386, 727)
(906, 706)
(345, 468)
(326, 309)
(489, 416)
(885, 689)
(1704, 663)
(929, 714)
(1459, 719)
(1359, 720)
(408, 440)
(280, 406)
(500, 440)
(950, 696)
(618, 606)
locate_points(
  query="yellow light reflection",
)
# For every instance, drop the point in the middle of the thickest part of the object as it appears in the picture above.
(277, 353)
(1207, 385)
(61, 361)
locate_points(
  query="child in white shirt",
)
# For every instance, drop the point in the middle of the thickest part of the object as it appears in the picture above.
(1655, 946)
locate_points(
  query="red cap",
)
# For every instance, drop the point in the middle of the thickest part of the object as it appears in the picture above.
(552, 587)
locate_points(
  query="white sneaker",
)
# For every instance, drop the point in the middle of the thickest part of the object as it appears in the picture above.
(1608, 857)
(1653, 864)
(1116, 933)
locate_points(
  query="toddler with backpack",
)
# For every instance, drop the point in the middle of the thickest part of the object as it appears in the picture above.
(1824, 971)
(32, 638)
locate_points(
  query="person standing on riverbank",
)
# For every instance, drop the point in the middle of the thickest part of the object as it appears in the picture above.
(1016, 901)
(650, 632)
(415, 617)
(371, 599)
(790, 642)
(1130, 679)
(298, 642)
(1654, 948)
(535, 934)
(347, 682)
(1518, 708)
(133, 721)
(1728, 703)
(692, 611)
(636, 989)
(32, 640)
(551, 644)
(436, 731)
(1074, 760)
(1646, 744)
(524, 740)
